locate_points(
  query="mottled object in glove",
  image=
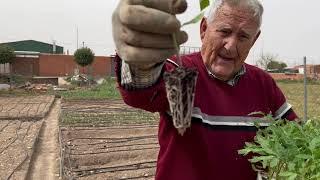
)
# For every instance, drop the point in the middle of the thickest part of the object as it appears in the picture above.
(180, 85)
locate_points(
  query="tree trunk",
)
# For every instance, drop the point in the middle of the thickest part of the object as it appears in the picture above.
(10, 75)
(89, 75)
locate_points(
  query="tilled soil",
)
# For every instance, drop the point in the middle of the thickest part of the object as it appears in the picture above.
(17, 139)
(25, 108)
(118, 152)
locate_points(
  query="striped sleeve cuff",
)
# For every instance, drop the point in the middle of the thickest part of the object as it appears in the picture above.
(138, 77)
(282, 110)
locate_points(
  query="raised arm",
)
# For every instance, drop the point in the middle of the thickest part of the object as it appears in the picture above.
(142, 32)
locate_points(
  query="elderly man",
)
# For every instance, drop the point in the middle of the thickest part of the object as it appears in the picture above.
(227, 89)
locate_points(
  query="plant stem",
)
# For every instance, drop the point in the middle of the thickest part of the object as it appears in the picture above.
(176, 46)
(270, 174)
(279, 169)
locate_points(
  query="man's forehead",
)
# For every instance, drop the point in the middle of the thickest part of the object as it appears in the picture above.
(237, 14)
(233, 17)
(241, 27)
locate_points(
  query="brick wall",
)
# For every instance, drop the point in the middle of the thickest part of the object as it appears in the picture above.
(64, 65)
(283, 76)
(26, 66)
(316, 69)
(58, 65)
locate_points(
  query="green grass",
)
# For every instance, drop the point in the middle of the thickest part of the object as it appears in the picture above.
(294, 91)
(17, 93)
(109, 118)
(106, 90)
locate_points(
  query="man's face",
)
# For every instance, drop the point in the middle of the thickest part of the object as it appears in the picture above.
(227, 40)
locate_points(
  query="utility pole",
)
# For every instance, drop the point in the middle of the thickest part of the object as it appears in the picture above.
(305, 115)
(83, 44)
(77, 38)
(54, 48)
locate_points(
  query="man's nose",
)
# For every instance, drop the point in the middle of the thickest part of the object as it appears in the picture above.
(230, 44)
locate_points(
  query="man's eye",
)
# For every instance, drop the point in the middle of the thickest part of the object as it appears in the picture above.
(223, 31)
(243, 37)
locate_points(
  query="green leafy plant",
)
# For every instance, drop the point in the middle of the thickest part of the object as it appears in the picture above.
(203, 5)
(6, 54)
(287, 150)
(84, 56)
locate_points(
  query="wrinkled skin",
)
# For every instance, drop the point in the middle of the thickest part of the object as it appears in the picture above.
(142, 30)
(227, 40)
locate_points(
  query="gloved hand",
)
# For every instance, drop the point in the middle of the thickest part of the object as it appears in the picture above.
(142, 30)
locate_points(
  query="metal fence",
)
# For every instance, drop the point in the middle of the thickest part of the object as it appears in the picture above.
(5, 68)
(189, 49)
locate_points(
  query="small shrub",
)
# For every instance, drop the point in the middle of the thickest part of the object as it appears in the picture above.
(84, 56)
(6, 54)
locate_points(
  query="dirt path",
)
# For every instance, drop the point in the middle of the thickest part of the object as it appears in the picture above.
(46, 160)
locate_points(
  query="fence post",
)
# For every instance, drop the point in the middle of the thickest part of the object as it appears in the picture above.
(305, 89)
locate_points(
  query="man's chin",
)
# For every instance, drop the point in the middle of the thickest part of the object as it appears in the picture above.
(222, 75)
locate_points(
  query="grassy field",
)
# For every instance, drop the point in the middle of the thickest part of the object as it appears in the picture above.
(106, 90)
(109, 118)
(293, 91)
(295, 96)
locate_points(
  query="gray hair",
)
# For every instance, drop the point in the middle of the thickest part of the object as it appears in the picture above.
(253, 5)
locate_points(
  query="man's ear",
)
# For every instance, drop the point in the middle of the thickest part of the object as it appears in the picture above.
(255, 38)
(203, 28)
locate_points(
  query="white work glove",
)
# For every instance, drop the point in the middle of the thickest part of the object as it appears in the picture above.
(142, 30)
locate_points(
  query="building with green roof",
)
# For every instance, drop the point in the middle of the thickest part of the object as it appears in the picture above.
(35, 46)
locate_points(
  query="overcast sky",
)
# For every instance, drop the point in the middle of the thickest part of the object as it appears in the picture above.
(290, 28)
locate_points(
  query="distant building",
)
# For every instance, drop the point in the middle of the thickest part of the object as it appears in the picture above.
(311, 69)
(35, 46)
(296, 73)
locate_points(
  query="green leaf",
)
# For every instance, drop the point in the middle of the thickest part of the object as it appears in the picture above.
(244, 151)
(204, 4)
(287, 174)
(194, 20)
(261, 158)
(291, 166)
(274, 162)
(303, 156)
(315, 143)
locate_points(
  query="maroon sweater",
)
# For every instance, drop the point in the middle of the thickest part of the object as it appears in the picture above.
(209, 149)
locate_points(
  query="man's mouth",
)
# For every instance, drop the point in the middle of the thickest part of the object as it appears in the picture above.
(225, 58)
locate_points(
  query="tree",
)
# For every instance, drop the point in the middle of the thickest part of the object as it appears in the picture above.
(265, 59)
(7, 56)
(84, 56)
(283, 65)
(276, 65)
